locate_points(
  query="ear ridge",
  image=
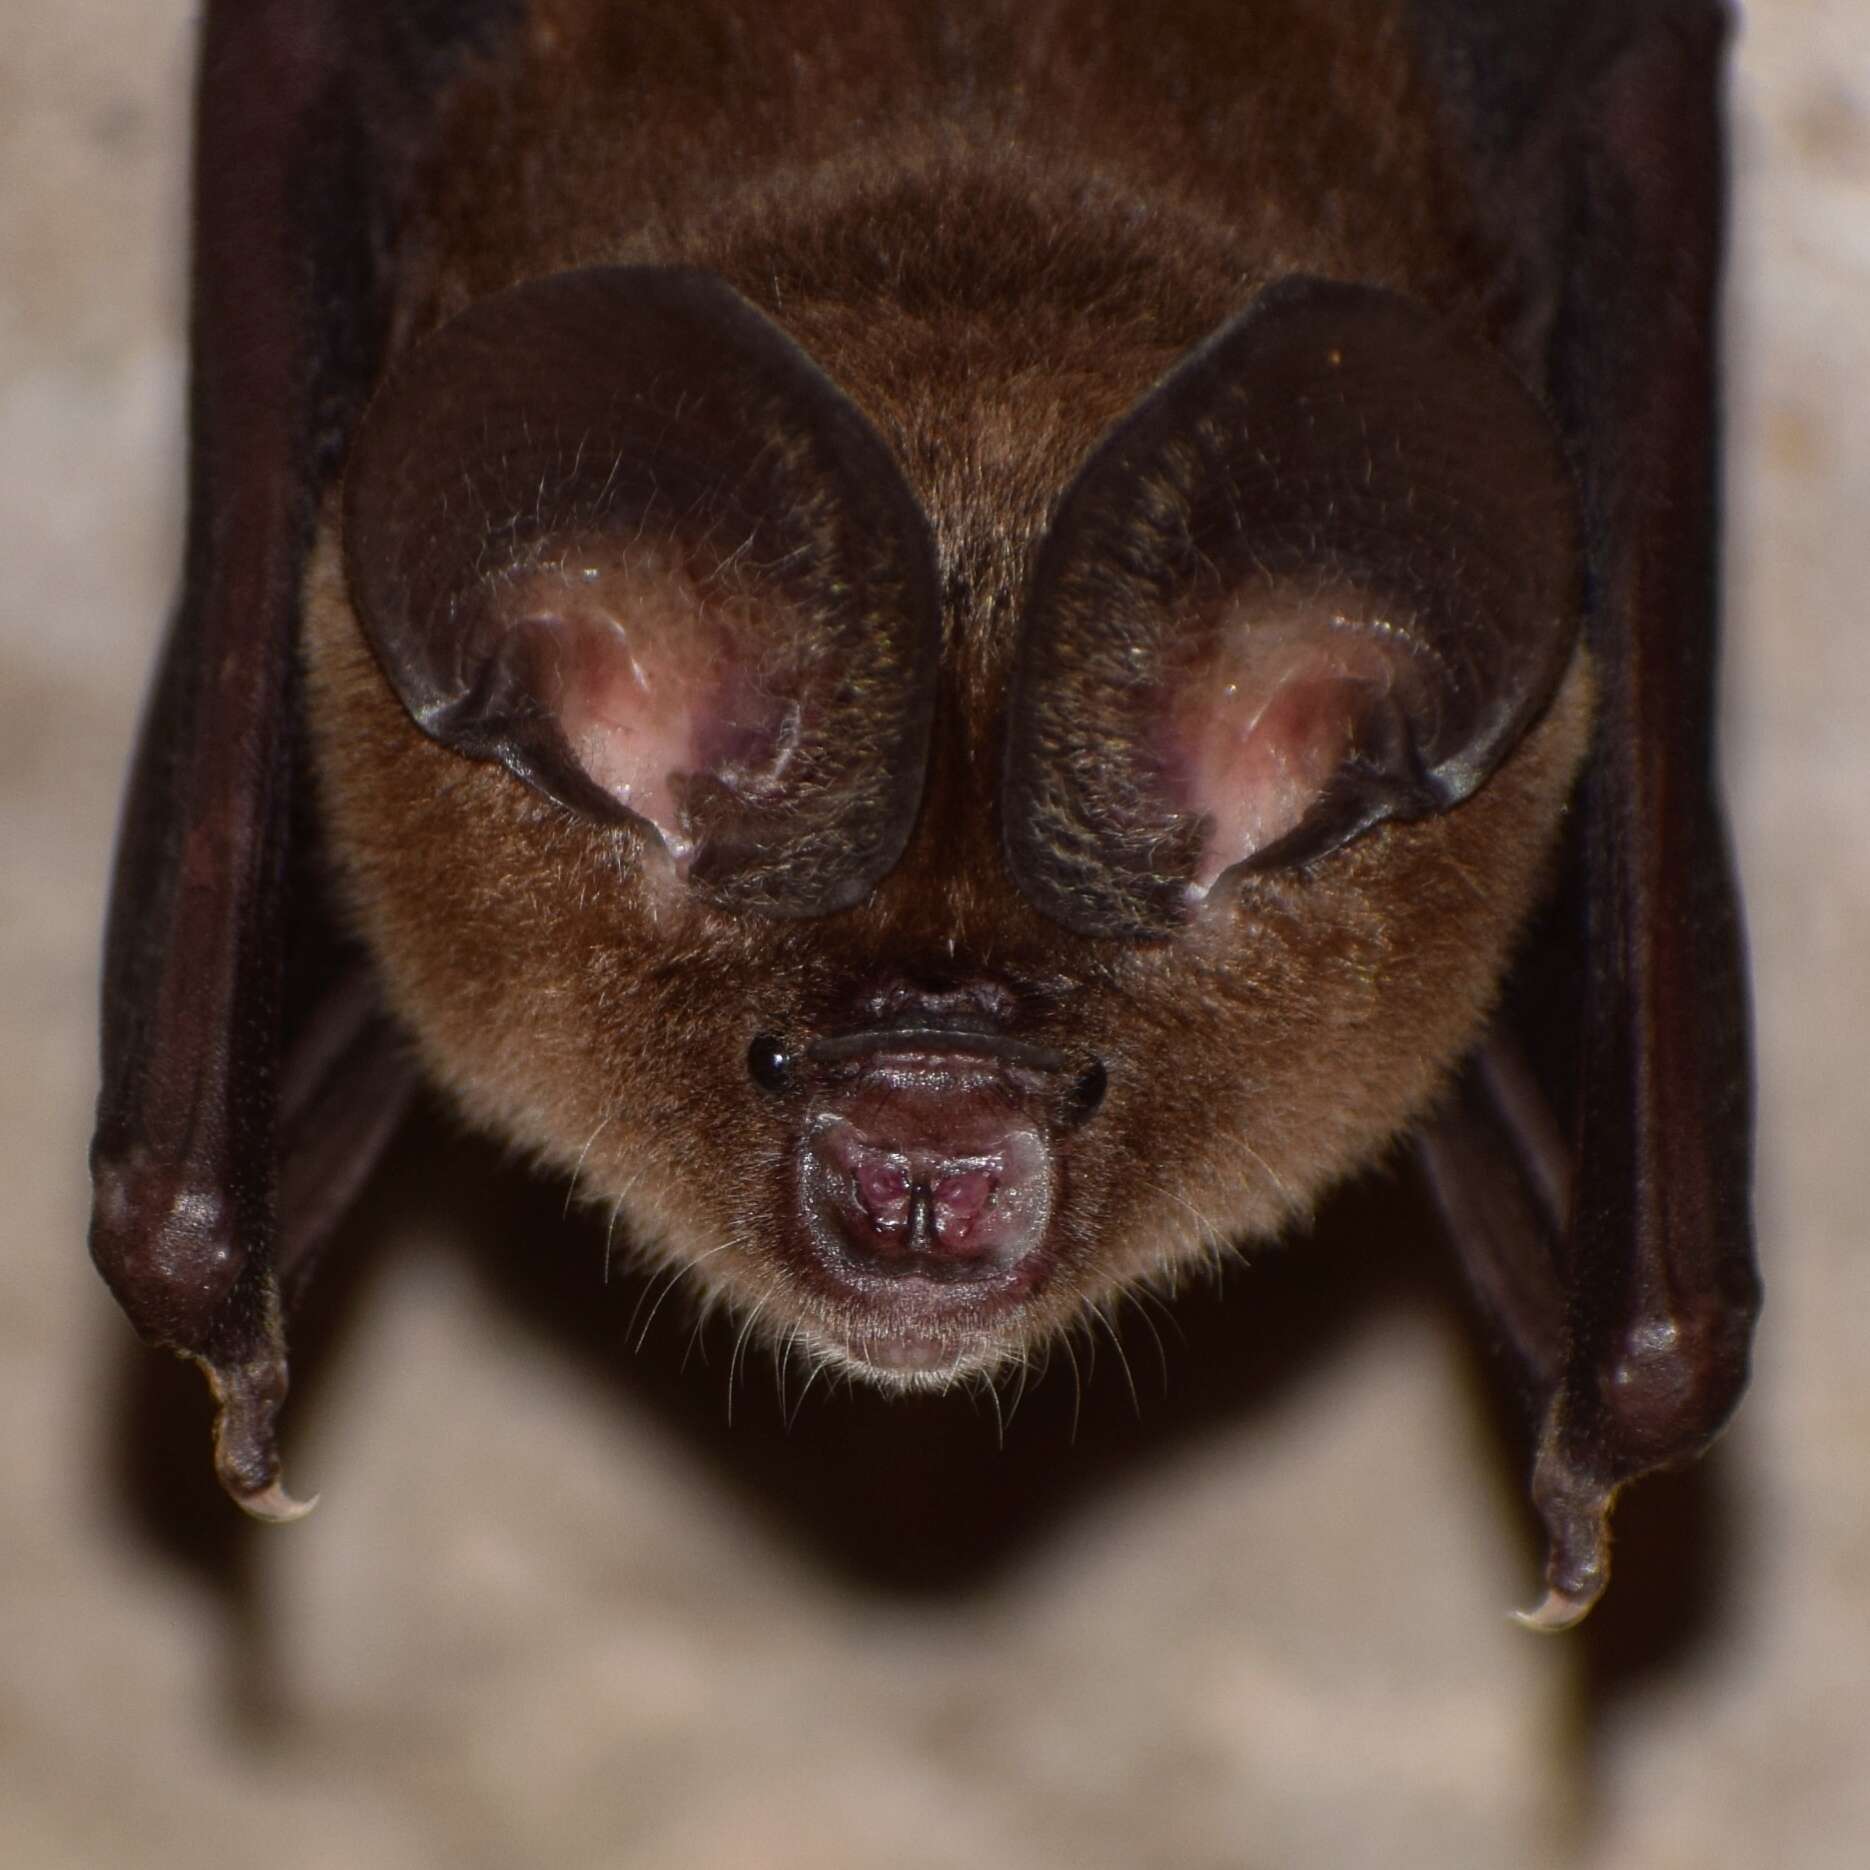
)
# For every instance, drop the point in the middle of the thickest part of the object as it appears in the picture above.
(648, 423)
(1341, 464)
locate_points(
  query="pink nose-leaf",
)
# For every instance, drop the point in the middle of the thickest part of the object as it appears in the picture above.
(962, 1208)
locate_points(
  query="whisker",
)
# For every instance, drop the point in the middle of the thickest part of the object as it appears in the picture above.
(1136, 1295)
(1210, 1234)
(571, 1191)
(1077, 1388)
(999, 1420)
(610, 1235)
(657, 1276)
(740, 1345)
(817, 1367)
(616, 1208)
(1271, 1174)
(681, 1272)
(1123, 1358)
(782, 1364)
(1024, 1368)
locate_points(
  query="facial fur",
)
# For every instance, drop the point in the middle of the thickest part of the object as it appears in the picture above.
(579, 1002)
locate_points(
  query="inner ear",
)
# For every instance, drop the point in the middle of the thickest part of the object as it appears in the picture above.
(1259, 735)
(1325, 574)
(653, 669)
(615, 530)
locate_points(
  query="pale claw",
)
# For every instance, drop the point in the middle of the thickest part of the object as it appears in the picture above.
(274, 1505)
(1555, 1612)
(246, 1456)
(1575, 1506)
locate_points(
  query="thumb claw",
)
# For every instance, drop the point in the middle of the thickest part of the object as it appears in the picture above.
(1574, 1501)
(1555, 1612)
(274, 1504)
(246, 1455)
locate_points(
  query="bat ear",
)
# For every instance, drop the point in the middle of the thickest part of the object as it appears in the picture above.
(1325, 574)
(615, 530)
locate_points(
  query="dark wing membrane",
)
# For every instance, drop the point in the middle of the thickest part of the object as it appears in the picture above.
(307, 120)
(1596, 138)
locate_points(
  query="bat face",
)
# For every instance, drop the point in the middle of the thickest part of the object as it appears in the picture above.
(945, 647)
(941, 778)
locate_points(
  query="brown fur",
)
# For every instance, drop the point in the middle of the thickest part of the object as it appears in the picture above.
(994, 227)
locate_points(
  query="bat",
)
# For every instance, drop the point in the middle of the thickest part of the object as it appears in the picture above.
(958, 654)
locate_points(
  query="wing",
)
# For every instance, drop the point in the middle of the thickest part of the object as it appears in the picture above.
(1595, 1163)
(309, 122)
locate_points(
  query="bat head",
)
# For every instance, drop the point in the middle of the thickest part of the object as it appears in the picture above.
(930, 884)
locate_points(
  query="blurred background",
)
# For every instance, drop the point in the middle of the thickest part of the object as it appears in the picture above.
(557, 1608)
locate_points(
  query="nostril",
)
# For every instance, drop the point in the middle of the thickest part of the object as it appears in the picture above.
(959, 1199)
(883, 1188)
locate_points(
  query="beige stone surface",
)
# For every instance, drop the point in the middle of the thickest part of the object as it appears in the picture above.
(554, 1609)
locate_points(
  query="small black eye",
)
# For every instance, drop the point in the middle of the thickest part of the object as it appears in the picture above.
(1084, 1097)
(769, 1064)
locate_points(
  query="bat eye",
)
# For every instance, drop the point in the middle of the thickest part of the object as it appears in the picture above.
(1325, 574)
(769, 1064)
(1086, 1095)
(613, 529)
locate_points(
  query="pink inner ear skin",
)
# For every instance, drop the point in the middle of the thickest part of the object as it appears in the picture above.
(1257, 731)
(634, 669)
